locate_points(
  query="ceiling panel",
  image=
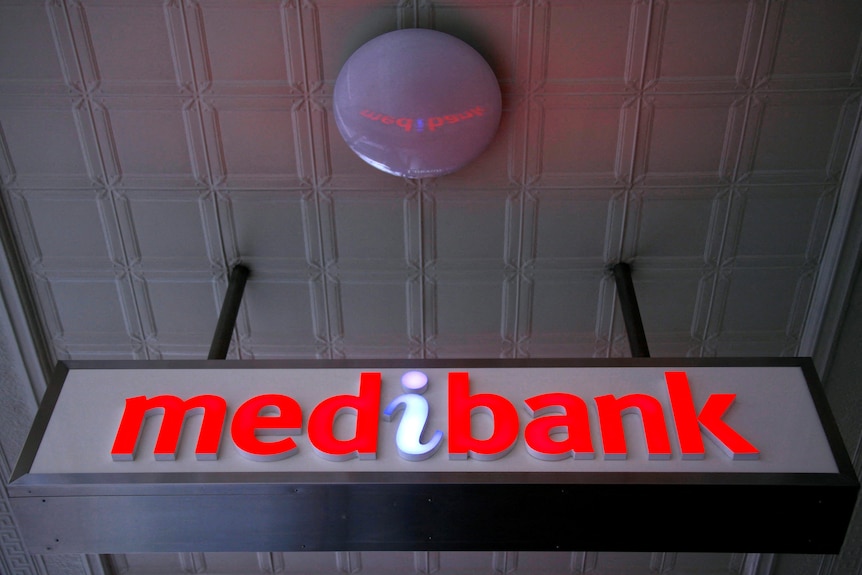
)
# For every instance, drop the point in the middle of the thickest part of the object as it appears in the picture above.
(148, 146)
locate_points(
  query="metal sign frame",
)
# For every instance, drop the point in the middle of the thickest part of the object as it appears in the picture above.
(613, 511)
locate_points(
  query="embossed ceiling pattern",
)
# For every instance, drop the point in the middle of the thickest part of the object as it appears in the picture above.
(148, 146)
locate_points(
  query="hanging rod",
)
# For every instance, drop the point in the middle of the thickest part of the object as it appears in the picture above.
(631, 312)
(229, 310)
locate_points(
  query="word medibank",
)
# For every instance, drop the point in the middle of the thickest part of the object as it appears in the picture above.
(269, 427)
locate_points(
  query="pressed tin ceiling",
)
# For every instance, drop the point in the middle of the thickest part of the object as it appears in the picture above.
(148, 146)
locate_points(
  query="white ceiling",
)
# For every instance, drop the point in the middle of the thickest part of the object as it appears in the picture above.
(148, 146)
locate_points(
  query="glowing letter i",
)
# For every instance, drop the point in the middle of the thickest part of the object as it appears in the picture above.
(408, 437)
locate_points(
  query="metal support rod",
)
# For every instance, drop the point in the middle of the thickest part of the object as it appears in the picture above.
(631, 312)
(229, 310)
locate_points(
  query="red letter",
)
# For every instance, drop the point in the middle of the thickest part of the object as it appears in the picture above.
(406, 123)
(570, 417)
(270, 414)
(367, 407)
(175, 411)
(462, 444)
(434, 123)
(611, 411)
(687, 420)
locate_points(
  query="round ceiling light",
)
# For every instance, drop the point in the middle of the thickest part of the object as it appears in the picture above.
(417, 103)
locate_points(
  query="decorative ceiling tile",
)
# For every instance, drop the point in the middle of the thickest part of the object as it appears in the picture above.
(465, 562)
(368, 227)
(612, 562)
(162, 562)
(707, 562)
(166, 230)
(234, 61)
(574, 226)
(667, 215)
(48, 127)
(70, 229)
(151, 142)
(818, 38)
(401, 561)
(270, 230)
(579, 139)
(760, 299)
(784, 221)
(545, 563)
(339, 27)
(89, 310)
(800, 135)
(689, 137)
(592, 42)
(184, 311)
(280, 312)
(562, 310)
(466, 314)
(497, 30)
(264, 142)
(25, 29)
(661, 289)
(719, 24)
(117, 30)
(472, 227)
(375, 322)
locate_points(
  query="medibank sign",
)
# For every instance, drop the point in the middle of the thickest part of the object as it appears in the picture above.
(397, 436)
(414, 418)
(558, 425)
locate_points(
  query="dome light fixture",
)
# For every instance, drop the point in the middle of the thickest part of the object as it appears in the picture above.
(417, 103)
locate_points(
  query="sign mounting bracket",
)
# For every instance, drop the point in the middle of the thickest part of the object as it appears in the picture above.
(229, 310)
(629, 307)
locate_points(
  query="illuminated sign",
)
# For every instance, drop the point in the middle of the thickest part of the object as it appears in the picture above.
(559, 426)
(370, 444)
(430, 124)
(417, 103)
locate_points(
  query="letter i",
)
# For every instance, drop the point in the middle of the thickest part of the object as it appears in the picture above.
(408, 437)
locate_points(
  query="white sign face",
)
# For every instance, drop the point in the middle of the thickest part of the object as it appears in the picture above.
(476, 419)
